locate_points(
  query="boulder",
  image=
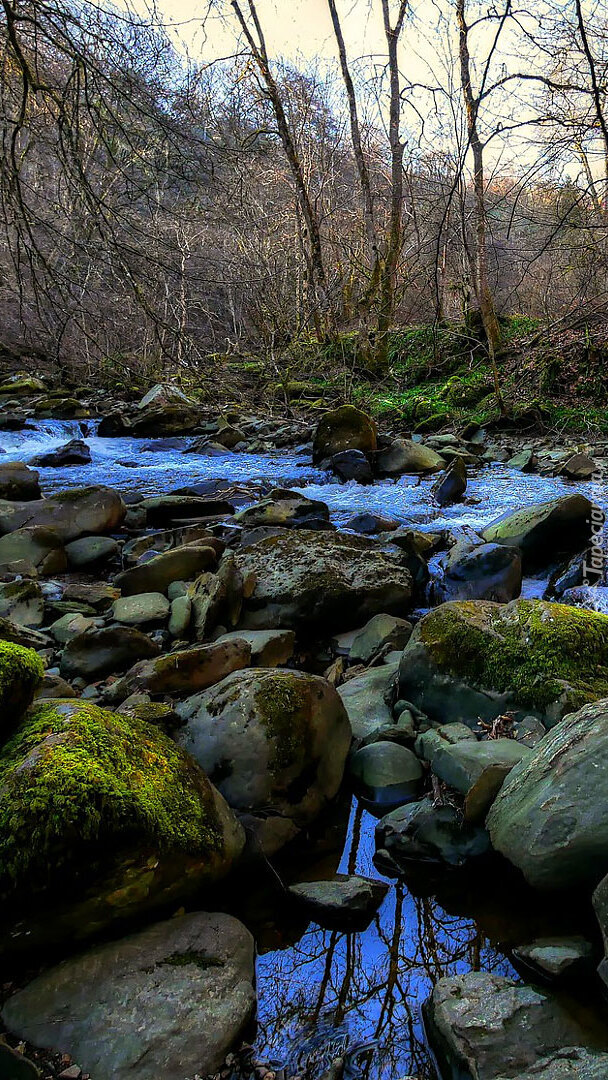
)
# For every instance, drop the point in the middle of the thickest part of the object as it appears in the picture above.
(216, 598)
(22, 602)
(352, 465)
(385, 775)
(371, 524)
(38, 547)
(58, 406)
(422, 832)
(157, 573)
(168, 1002)
(182, 672)
(481, 572)
(175, 418)
(367, 698)
(269, 648)
(316, 581)
(551, 816)
(75, 452)
(600, 905)
(90, 551)
(167, 539)
(69, 625)
(108, 812)
(151, 607)
(18, 483)
(452, 484)
(526, 461)
(405, 456)
(345, 900)
(476, 659)
(489, 1026)
(579, 467)
(22, 635)
(273, 740)
(15, 1066)
(286, 509)
(163, 394)
(545, 531)
(345, 428)
(163, 509)
(21, 671)
(22, 384)
(382, 632)
(95, 653)
(71, 514)
(477, 770)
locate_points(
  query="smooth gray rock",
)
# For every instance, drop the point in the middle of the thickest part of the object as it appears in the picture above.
(477, 770)
(269, 648)
(385, 774)
(71, 514)
(482, 572)
(365, 698)
(425, 833)
(140, 609)
(95, 653)
(22, 602)
(382, 631)
(555, 958)
(551, 816)
(168, 1002)
(91, 550)
(543, 531)
(344, 899)
(177, 564)
(405, 456)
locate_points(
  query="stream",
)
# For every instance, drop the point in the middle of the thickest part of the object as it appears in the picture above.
(325, 994)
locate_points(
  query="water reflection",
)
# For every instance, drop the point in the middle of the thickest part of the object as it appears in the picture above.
(359, 995)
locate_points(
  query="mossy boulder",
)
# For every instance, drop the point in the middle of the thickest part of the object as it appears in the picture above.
(107, 810)
(271, 741)
(71, 514)
(310, 580)
(551, 816)
(546, 531)
(21, 670)
(345, 428)
(476, 659)
(61, 408)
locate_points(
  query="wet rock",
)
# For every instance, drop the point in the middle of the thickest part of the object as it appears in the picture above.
(269, 648)
(429, 742)
(59, 406)
(19, 483)
(168, 1002)
(270, 740)
(556, 958)
(155, 575)
(345, 428)
(230, 436)
(164, 509)
(167, 539)
(481, 572)
(371, 524)
(425, 833)
(71, 514)
(551, 816)
(151, 607)
(182, 672)
(96, 653)
(37, 547)
(306, 580)
(451, 486)
(345, 900)
(22, 602)
(544, 531)
(180, 617)
(91, 551)
(405, 456)
(494, 1027)
(75, 452)
(286, 509)
(579, 467)
(173, 419)
(22, 384)
(477, 770)
(477, 660)
(382, 632)
(352, 465)
(367, 700)
(385, 774)
(107, 813)
(526, 461)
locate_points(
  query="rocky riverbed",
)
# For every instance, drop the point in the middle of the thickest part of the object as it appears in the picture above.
(304, 765)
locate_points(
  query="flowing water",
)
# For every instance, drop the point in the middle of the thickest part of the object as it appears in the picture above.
(326, 994)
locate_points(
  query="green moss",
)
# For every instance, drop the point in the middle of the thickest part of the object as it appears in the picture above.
(532, 649)
(283, 702)
(20, 672)
(78, 782)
